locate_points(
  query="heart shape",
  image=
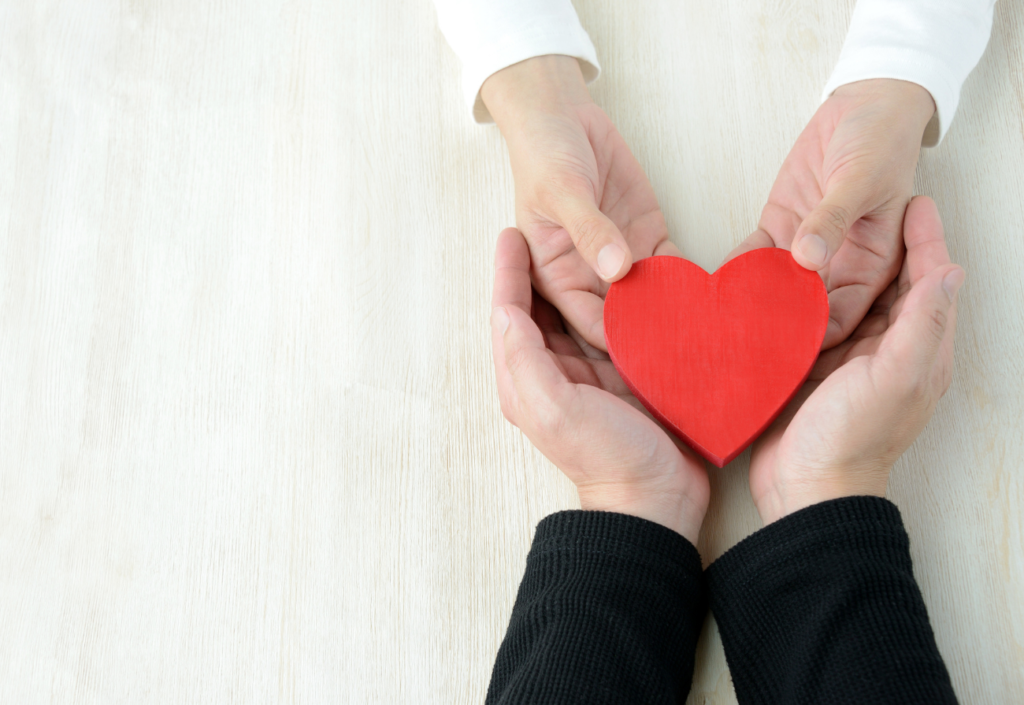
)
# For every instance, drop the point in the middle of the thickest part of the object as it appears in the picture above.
(716, 357)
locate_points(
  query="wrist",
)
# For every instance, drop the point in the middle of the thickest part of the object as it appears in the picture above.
(904, 101)
(681, 512)
(540, 85)
(791, 495)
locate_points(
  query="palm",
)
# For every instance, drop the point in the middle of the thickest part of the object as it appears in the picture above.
(639, 440)
(585, 156)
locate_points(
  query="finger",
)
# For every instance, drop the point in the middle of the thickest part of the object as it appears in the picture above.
(512, 271)
(667, 248)
(923, 234)
(822, 232)
(846, 306)
(541, 389)
(512, 290)
(755, 241)
(925, 320)
(926, 247)
(863, 341)
(924, 325)
(596, 238)
(584, 312)
(585, 348)
(547, 317)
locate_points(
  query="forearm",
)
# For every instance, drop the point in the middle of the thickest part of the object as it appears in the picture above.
(822, 606)
(609, 611)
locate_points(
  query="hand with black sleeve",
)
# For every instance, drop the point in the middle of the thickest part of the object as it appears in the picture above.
(821, 605)
(613, 598)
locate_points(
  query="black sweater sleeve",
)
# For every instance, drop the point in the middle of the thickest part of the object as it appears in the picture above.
(822, 607)
(609, 611)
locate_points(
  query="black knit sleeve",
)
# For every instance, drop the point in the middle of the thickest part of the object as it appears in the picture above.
(822, 607)
(609, 611)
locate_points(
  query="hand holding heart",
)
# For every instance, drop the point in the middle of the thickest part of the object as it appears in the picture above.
(583, 202)
(572, 404)
(839, 198)
(868, 398)
(866, 402)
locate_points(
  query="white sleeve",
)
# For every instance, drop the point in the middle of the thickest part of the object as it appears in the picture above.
(488, 35)
(933, 43)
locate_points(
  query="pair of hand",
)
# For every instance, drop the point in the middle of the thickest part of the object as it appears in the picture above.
(839, 203)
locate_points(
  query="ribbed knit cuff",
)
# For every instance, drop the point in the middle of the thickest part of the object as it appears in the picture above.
(616, 534)
(821, 606)
(609, 611)
(869, 527)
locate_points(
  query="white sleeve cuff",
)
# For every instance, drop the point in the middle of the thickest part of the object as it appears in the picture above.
(933, 43)
(489, 35)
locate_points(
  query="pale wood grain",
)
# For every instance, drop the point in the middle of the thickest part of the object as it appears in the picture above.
(250, 446)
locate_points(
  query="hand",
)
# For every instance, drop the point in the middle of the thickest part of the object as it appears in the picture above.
(571, 403)
(838, 201)
(582, 201)
(868, 398)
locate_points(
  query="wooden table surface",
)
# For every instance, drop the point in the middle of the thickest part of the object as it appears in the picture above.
(250, 443)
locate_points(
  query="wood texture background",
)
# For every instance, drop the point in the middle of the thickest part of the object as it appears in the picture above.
(250, 444)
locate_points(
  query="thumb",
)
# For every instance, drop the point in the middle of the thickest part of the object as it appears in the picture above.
(822, 232)
(596, 238)
(925, 325)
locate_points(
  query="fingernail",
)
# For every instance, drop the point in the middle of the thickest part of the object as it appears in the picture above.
(813, 248)
(499, 319)
(609, 260)
(953, 281)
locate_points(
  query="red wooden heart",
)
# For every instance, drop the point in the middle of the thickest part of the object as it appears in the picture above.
(716, 357)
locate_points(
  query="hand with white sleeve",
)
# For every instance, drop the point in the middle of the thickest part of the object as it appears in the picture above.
(839, 199)
(583, 202)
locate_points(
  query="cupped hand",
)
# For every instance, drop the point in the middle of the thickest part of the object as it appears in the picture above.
(868, 398)
(583, 202)
(839, 199)
(571, 403)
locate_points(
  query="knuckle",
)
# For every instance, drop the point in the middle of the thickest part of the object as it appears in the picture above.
(585, 232)
(516, 360)
(561, 188)
(552, 419)
(836, 220)
(943, 376)
(918, 390)
(547, 420)
(936, 323)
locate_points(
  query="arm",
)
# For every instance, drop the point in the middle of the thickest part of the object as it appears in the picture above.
(609, 611)
(822, 605)
(612, 600)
